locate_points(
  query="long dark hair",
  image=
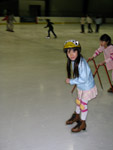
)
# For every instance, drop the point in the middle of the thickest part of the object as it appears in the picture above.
(76, 63)
(106, 38)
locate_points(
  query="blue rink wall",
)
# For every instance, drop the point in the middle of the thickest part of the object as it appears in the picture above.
(58, 20)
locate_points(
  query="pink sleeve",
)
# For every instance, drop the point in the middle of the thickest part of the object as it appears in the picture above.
(6, 18)
(98, 51)
(109, 59)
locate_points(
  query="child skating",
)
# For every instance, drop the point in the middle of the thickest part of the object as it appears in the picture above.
(79, 74)
(89, 22)
(10, 22)
(51, 29)
(82, 22)
(107, 48)
(98, 22)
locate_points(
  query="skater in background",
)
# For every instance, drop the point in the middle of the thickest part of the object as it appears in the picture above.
(98, 22)
(10, 22)
(51, 29)
(83, 21)
(89, 22)
(81, 77)
(6, 19)
(107, 48)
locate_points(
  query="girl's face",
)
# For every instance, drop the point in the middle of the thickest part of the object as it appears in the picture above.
(103, 43)
(72, 54)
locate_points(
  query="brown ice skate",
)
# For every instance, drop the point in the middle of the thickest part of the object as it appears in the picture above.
(74, 118)
(80, 126)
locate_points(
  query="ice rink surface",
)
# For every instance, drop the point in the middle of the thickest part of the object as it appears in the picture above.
(35, 101)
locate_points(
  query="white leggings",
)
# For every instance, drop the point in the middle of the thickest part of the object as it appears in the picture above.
(112, 75)
(81, 108)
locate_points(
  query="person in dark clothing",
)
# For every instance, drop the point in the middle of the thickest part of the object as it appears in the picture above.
(51, 29)
(83, 21)
(98, 22)
(89, 22)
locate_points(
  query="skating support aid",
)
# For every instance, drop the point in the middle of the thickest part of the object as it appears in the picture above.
(106, 73)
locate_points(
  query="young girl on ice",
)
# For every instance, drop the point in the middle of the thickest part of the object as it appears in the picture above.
(83, 79)
(107, 48)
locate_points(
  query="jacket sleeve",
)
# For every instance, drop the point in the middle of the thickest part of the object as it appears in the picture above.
(98, 51)
(6, 18)
(83, 75)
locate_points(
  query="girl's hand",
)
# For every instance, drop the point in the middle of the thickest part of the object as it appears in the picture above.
(67, 80)
(90, 58)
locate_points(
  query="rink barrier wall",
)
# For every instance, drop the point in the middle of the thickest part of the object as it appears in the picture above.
(64, 20)
(109, 20)
(56, 20)
(42, 20)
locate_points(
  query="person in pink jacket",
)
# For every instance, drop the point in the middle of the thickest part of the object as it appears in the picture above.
(107, 48)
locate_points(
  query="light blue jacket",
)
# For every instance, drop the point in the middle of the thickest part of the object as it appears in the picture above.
(85, 81)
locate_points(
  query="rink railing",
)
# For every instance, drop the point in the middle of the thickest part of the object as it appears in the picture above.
(56, 20)
(42, 20)
(96, 72)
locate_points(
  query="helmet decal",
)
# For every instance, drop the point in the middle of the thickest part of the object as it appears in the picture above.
(76, 43)
(71, 44)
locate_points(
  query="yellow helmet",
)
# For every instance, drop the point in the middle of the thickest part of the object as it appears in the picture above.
(72, 44)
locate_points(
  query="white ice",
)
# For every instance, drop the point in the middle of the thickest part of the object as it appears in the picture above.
(35, 101)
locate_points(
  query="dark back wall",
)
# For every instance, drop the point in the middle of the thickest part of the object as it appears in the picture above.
(79, 7)
(66, 8)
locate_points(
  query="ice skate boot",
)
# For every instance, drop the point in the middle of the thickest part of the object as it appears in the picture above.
(74, 118)
(80, 126)
(110, 89)
(48, 37)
